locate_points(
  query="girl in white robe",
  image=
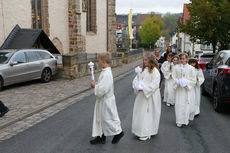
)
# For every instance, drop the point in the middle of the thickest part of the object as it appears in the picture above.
(167, 72)
(171, 90)
(147, 106)
(106, 121)
(199, 82)
(184, 82)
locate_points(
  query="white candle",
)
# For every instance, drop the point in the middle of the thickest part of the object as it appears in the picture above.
(91, 66)
(138, 71)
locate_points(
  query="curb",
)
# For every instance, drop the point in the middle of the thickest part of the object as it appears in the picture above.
(38, 110)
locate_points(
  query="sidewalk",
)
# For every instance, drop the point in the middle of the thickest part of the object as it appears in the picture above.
(27, 100)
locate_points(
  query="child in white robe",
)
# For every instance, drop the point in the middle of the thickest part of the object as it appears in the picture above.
(184, 81)
(106, 121)
(171, 90)
(147, 106)
(166, 70)
(199, 82)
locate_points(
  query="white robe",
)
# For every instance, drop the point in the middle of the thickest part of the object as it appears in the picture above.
(200, 76)
(165, 69)
(169, 92)
(183, 96)
(106, 120)
(147, 106)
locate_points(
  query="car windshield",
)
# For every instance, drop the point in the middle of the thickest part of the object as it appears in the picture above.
(205, 59)
(5, 57)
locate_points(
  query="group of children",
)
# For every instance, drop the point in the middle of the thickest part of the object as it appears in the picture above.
(182, 89)
(183, 79)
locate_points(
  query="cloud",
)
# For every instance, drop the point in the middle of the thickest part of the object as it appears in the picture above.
(144, 6)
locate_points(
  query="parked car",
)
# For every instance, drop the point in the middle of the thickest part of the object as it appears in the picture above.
(204, 59)
(217, 79)
(24, 65)
(198, 53)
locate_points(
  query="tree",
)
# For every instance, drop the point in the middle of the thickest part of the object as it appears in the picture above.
(209, 23)
(151, 30)
(170, 25)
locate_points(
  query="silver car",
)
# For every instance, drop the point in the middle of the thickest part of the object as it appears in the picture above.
(26, 64)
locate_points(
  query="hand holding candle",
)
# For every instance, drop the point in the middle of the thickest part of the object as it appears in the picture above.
(139, 85)
(91, 66)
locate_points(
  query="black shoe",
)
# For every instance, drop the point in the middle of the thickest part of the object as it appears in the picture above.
(197, 115)
(117, 137)
(4, 112)
(98, 140)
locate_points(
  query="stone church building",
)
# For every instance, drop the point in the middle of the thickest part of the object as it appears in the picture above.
(74, 26)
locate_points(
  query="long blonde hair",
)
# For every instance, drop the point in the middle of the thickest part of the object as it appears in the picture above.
(152, 62)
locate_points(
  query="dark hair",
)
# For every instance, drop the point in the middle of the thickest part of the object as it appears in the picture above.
(192, 60)
(170, 55)
(168, 51)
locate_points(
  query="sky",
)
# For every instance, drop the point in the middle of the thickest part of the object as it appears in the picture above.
(146, 6)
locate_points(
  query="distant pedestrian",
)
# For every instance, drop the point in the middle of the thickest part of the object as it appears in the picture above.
(199, 82)
(168, 51)
(185, 80)
(147, 106)
(159, 58)
(106, 121)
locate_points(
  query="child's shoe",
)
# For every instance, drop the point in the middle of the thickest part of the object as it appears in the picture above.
(144, 138)
(117, 137)
(179, 125)
(98, 140)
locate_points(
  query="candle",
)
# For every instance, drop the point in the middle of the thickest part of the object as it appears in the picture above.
(138, 71)
(91, 66)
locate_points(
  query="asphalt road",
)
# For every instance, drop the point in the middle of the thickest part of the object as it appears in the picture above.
(69, 131)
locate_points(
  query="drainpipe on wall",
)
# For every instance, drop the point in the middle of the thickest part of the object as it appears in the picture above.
(184, 43)
(107, 26)
(3, 23)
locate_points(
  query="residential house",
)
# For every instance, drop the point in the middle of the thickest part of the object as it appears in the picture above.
(184, 43)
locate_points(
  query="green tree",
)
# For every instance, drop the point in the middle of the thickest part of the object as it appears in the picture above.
(151, 30)
(170, 25)
(209, 23)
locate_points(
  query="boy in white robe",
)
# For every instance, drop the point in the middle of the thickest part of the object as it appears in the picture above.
(147, 106)
(106, 121)
(199, 82)
(166, 70)
(185, 80)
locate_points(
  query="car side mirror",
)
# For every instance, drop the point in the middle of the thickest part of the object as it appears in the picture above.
(13, 63)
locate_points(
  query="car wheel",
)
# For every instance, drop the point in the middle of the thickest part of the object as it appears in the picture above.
(46, 75)
(216, 104)
(1, 84)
